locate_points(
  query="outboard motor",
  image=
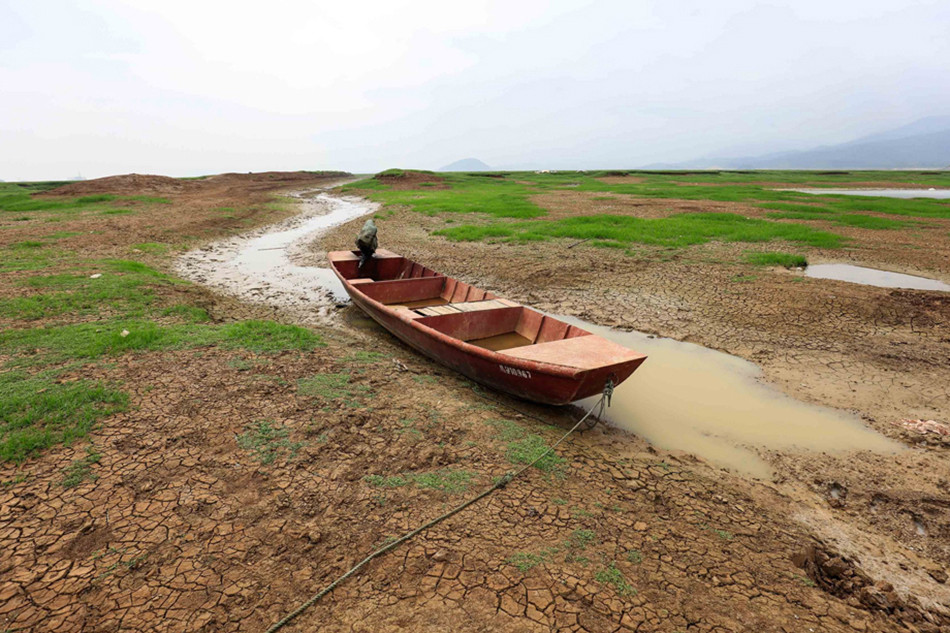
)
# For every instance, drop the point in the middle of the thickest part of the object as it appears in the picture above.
(366, 242)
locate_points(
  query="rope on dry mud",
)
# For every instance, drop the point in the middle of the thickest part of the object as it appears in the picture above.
(507, 478)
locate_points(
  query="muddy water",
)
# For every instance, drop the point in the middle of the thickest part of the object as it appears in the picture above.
(873, 277)
(260, 266)
(690, 398)
(940, 194)
(269, 251)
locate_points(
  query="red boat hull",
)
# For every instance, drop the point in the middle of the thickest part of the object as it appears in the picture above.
(551, 378)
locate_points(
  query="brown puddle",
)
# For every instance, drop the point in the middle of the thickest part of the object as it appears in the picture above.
(690, 398)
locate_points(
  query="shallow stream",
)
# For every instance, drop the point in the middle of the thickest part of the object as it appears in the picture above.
(940, 194)
(873, 277)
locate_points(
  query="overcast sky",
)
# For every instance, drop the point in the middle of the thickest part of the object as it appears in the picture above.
(104, 87)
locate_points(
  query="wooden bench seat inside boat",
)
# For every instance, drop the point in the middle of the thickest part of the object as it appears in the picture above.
(587, 352)
(498, 328)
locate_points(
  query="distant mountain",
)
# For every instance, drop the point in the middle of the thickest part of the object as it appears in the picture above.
(466, 164)
(924, 143)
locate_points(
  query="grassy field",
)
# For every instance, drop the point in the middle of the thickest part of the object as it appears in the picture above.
(64, 312)
(500, 206)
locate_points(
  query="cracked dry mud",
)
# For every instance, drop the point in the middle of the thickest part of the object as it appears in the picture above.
(183, 529)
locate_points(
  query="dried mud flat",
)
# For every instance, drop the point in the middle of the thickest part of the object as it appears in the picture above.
(188, 526)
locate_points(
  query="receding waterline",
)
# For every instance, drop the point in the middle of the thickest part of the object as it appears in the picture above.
(873, 277)
(690, 398)
(939, 194)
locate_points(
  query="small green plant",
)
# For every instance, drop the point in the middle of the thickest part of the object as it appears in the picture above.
(532, 447)
(635, 557)
(81, 469)
(526, 561)
(187, 313)
(580, 539)
(446, 480)
(241, 364)
(266, 442)
(612, 576)
(269, 336)
(558, 501)
(808, 582)
(508, 430)
(724, 534)
(332, 386)
(154, 248)
(361, 357)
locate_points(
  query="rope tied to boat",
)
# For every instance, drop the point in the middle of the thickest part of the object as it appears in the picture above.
(502, 481)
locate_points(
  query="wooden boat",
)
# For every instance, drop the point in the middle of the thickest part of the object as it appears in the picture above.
(493, 341)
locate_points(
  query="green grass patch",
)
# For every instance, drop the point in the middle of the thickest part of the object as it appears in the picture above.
(332, 386)
(59, 235)
(361, 357)
(523, 447)
(506, 199)
(187, 313)
(27, 245)
(266, 442)
(20, 198)
(466, 193)
(125, 288)
(530, 448)
(110, 338)
(508, 430)
(787, 260)
(37, 412)
(80, 470)
(445, 480)
(153, 248)
(526, 561)
(268, 336)
(612, 576)
(20, 259)
(679, 230)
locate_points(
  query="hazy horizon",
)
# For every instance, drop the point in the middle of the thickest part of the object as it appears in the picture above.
(102, 87)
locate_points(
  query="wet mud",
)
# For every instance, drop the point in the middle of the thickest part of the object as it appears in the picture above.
(260, 266)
